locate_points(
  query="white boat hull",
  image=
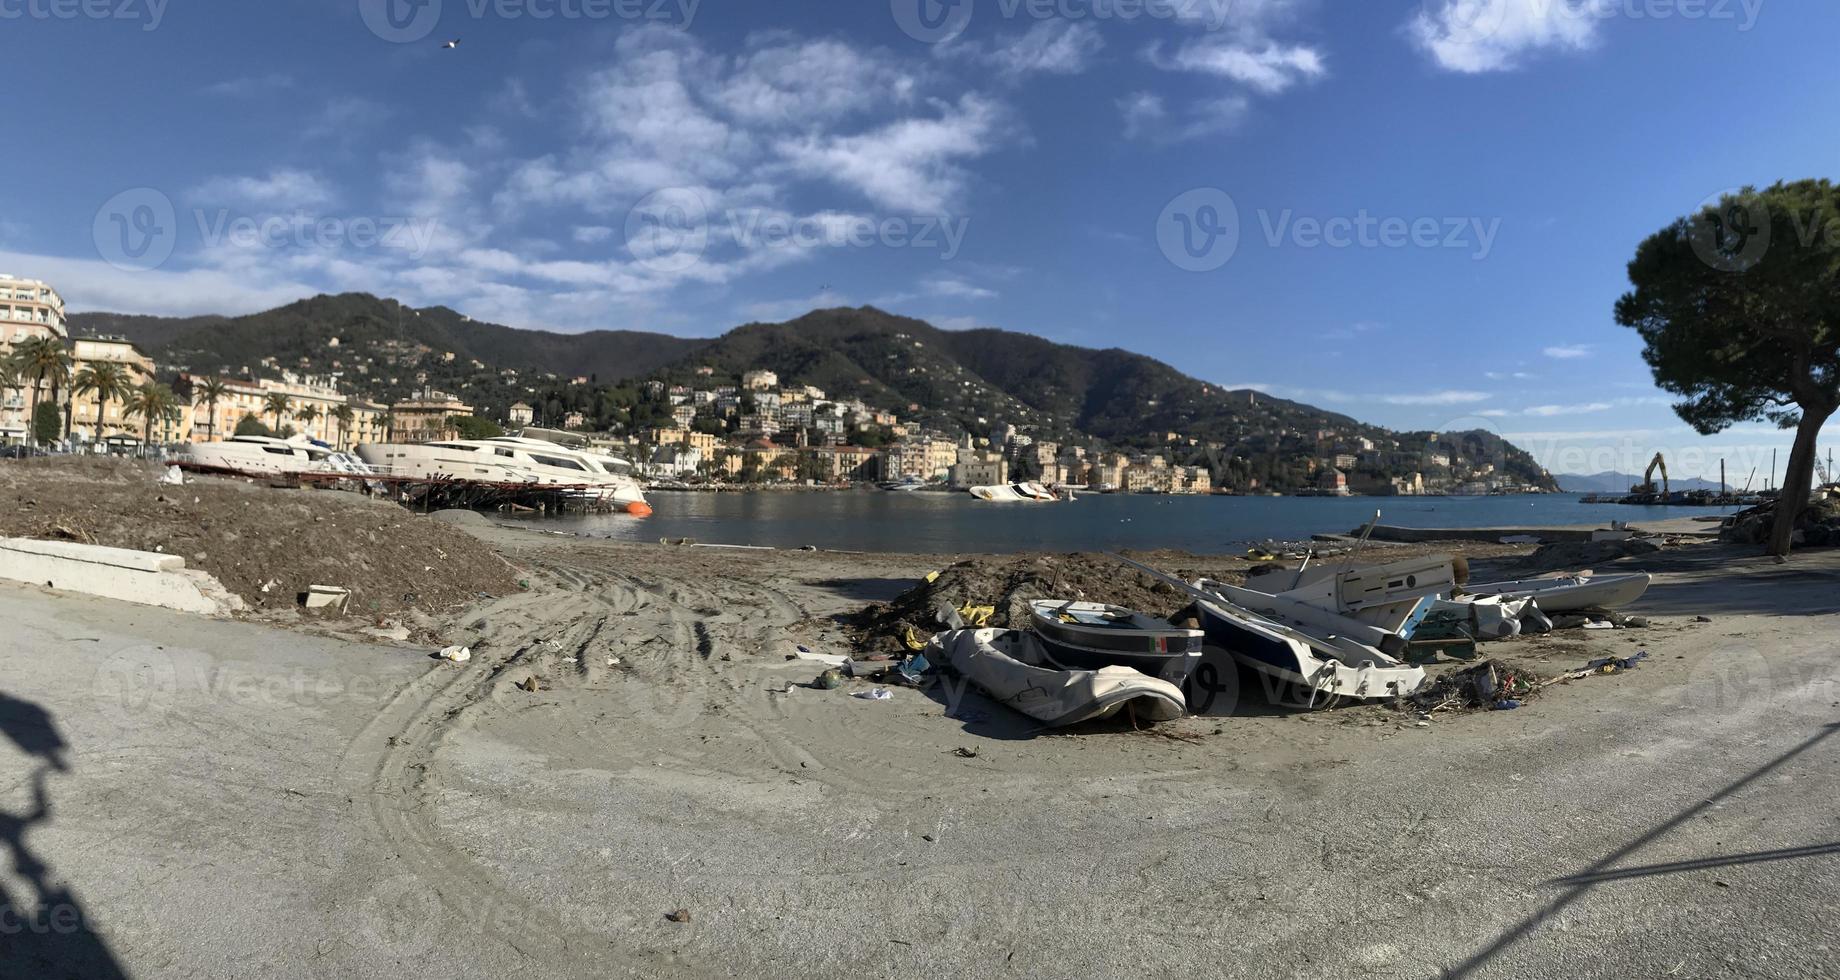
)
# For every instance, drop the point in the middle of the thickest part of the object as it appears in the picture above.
(1572, 593)
(1011, 667)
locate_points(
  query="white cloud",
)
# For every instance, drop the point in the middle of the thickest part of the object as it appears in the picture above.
(91, 285)
(789, 81)
(1050, 47)
(249, 86)
(591, 234)
(1569, 353)
(1550, 411)
(1147, 117)
(912, 164)
(284, 189)
(955, 288)
(1474, 36)
(1267, 66)
(1437, 398)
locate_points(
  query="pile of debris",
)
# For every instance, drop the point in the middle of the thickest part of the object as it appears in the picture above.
(269, 546)
(1495, 685)
(1567, 555)
(994, 591)
(1818, 526)
(1488, 686)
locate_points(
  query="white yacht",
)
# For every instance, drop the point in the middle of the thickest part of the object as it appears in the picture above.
(511, 459)
(265, 456)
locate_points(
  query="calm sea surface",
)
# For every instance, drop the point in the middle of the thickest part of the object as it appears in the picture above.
(941, 522)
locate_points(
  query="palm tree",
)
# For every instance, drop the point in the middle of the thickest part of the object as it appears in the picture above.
(108, 381)
(209, 392)
(343, 414)
(277, 403)
(307, 417)
(40, 360)
(150, 401)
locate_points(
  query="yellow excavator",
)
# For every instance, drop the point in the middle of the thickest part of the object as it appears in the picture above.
(1647, 486)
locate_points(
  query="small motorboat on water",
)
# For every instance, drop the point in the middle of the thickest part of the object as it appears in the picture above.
(1010, 492)
(1571, 593)
(1014, 668)
(1092, 635)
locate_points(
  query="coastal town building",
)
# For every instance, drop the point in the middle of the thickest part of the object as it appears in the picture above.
(29, 308)
(847, 464)
(427, 419)
(520, 414)
(98, 420)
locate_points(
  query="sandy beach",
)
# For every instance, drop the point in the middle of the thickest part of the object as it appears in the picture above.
(235, 798)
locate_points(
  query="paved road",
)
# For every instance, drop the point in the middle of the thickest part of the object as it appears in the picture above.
(185, 790)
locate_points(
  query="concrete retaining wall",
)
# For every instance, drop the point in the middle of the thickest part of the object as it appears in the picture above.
(145, 577)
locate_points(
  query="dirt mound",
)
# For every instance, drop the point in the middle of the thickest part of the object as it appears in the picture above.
(1009, 582)
(252, 536)
(1568, 556)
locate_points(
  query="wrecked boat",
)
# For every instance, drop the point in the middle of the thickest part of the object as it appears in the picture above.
(1571, 593)
(1014, 669)
(1092, 635)
(1303, 646)
(1327, 655)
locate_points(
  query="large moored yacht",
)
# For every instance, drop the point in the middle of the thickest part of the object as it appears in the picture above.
(511, 459)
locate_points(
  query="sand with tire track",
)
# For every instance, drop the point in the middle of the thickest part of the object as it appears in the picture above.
(631, 739)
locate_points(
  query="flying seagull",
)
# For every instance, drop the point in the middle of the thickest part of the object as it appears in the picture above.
(450, 45)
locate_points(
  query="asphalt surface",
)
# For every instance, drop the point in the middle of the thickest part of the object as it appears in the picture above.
(207, 799)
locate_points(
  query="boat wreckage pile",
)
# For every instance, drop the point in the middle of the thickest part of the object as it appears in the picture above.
(1817, 526)
(1314, 636)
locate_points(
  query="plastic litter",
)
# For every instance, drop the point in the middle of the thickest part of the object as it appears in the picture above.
(827, 659)
(913, 669)
(1613, 665)
(830, 680)
(173, 476)
(879, 694)
(458, 655)
(1507, 704)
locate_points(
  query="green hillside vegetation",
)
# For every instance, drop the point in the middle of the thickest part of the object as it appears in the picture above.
(949, 381)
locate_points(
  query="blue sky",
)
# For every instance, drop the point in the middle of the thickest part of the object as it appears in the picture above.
(1434, 201)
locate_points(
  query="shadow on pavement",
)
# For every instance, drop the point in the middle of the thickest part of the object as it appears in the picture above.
(1578, 885)
(55, 936)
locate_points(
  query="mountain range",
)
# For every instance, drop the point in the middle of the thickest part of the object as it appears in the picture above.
(955, 380)
(1611, 481)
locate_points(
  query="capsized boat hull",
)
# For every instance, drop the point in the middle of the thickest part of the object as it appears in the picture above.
(1014, 669)
(1278, 652)
(1572, 593)
(1091, 635)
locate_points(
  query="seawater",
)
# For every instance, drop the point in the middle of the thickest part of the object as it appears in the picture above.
(932, 522)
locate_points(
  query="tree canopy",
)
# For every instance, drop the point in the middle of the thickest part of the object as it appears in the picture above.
(1738, 306)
